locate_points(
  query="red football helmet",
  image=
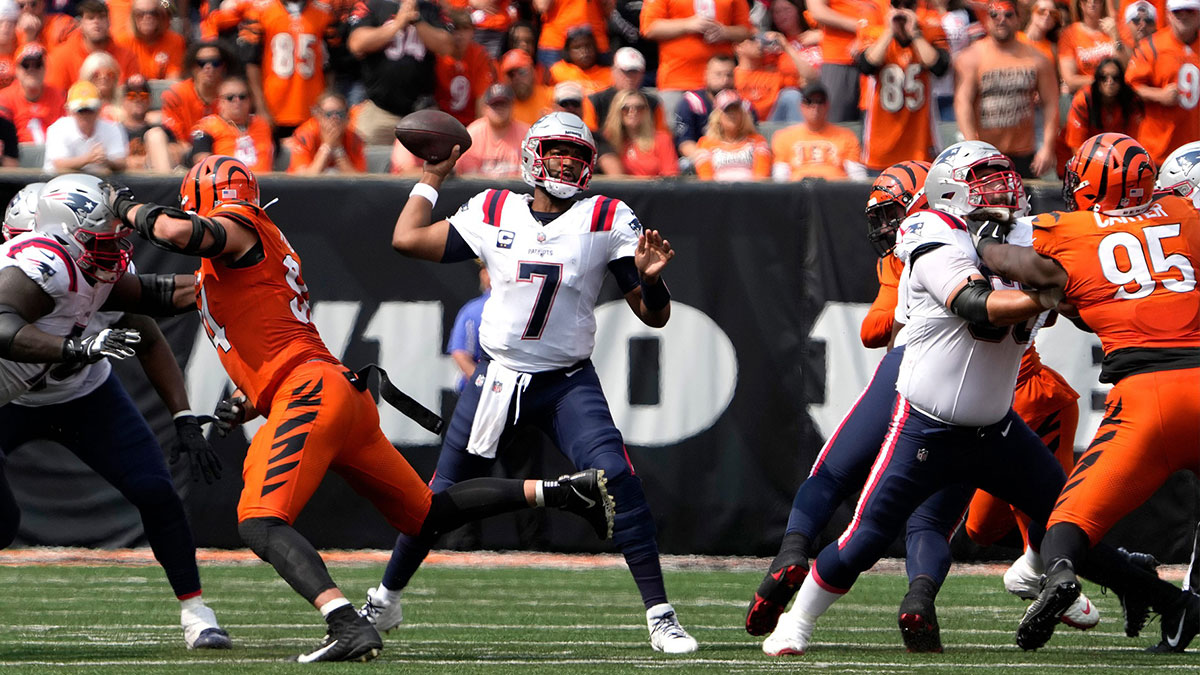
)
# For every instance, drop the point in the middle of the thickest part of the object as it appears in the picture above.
(216, 180)
(1112, 174)
(897, 192)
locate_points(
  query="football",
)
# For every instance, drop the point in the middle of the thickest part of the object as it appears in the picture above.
(432, 134)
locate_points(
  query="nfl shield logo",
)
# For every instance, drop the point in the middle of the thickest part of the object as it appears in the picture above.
(541, 237)
(479, 380)
(497, 387)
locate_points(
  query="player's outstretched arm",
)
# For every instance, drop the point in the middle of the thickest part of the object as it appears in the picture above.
(651, 301)
(414, 235)
(153, 294)
(975, 301)
(179, 231)
(1021, 263)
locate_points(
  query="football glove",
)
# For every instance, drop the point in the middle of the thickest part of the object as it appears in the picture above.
(985, 232)
(115, 343)
(190, 441)
(119, 198)
(230, 413)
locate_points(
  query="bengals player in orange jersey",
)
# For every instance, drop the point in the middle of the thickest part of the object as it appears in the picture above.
(897, 192)
(255, 308)
(1128, 264)
(287, 67)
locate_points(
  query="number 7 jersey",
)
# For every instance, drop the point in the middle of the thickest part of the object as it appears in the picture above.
(545, 278)
(257, 316)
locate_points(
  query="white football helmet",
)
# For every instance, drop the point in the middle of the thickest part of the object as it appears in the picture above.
(18, 218)
(72, 209)
(557, 126)
(956, 184)
(1180, 173)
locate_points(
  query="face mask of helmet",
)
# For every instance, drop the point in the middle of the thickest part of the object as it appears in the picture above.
(993, 192)
(883, 219)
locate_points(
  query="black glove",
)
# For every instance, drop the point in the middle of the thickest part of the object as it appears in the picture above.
(119, 198)
(190, 440)
(114, 343)
(987, 232)
(230, 413)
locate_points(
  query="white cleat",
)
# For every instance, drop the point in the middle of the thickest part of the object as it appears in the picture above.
(1022, 580)
(789, 639)
(200, 628)
(382, 609)
(666, 635)
(1082, 614)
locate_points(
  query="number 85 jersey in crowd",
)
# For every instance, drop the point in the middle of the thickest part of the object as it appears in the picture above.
(545, 278)
(257, 314)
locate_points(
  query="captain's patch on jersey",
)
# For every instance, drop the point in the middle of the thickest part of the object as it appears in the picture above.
(504, 239)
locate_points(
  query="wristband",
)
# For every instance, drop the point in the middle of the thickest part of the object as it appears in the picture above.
(656, 295)
(427, 191)
(183, 413)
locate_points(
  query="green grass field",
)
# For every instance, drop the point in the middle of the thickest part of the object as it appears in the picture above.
(123, 620)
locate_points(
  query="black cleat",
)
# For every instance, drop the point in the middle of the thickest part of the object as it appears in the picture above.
(1136, 609)
(918, 619)
(1179, 625)
(352, 639)
(587, 495)
(1059, 589)
(773, 595)
(213, 638)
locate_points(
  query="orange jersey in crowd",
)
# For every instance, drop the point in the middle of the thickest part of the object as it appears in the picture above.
(1157, 62)
(253, 146)
(565, 15)
(682, 60)
(158, 60)
(224, 19)
(498, 20)
(182, 108)
(760, 86)
(1078, 127)
(64, 61)
(32, 118)
(1160, 9)
(1044, 46)
(460, 83)
(307, 140)
(1085, 46)
(747, 159)
(876, 329)
(1008, 87)
(819, 155)
(55, 29)
(258, 317)
(532, 109)
(594, 79)
(293, 56)
(899, 122)
(837, 45)
(1132, 278)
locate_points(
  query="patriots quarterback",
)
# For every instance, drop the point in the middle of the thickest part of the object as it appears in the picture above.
(548, 254)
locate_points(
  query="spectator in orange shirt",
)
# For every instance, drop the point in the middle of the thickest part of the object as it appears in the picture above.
(532, 100)
(233, 131)
(151, 146)
(841, 19)
(93, 36)
(1164, 72)
(732, 149)
(284, 53)
(35, 25)
(1129, 34)
(463, 75)
(1141, 21)
(628, 72)
(29, 102)
(325, 143)
(579, 62)
(491, 19)
(495, 138)
(187, 102)
(816, 148)
(1082, 45)
(1044, 29)
(632, 145)
(157, 49)
(560, 16)
(773, 94)
(1109, 104)
(101, 69)
(9, 13)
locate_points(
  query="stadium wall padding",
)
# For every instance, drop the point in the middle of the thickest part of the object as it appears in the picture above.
(723, 412)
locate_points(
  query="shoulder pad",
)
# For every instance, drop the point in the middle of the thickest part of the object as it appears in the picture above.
(610, 215)
(931, 227)
(46, 261)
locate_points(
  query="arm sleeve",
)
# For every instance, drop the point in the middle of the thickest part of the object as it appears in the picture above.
(876, 327)
(457, 249)
(941, 271)
(624, 271)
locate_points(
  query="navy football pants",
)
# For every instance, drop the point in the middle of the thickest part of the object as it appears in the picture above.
(106, 431)
(571, 410)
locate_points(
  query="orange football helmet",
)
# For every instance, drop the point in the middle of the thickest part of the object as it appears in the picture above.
(1112, 174)
(897, 192)
(216, 180)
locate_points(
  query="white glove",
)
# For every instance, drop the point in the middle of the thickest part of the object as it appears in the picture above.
(115, 343)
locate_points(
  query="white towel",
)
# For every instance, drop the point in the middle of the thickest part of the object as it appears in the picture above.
(499, 386)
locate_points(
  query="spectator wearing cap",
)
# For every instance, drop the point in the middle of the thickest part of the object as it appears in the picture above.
(464, 74)
(189, 101)
(773, 94)
(1090, 39)
(234, 131)
(35, 25)
(628, 73)
(325, 143)
(1001, 80)
(694, 109)
(568, 97)
(491, 19)
(732, 149)
(816, 147)
(531, 99)
(631, 144)
(560, 17)
(495, 138)
(92, 36)
(30, 103)
(81, 141)
(151, 146)
(9, 13)
(1141, 21)
(579, 62)
(157, 50)
(1172, 114)
(1120, 10)
(101, 69)
(841, 20)
(689, 34)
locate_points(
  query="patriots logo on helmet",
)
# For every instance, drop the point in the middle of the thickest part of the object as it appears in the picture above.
(79, 204)
(1188, 160)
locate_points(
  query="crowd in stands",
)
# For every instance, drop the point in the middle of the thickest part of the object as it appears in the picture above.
(726, 90)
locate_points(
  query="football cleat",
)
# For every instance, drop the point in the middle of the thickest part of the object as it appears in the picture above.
(1179, 624)
(382, 609)
(790, 637)
(1136, 609)
(1059, 590)
(200, 629)
(1021, 579)
(771, 599)
(354, 639)
(918, 622)
(1082, 614)
(587, 496)
(666, 635)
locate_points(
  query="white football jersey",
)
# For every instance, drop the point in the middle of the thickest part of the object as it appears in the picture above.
(953, 371)
(76, 299)
(545, 279)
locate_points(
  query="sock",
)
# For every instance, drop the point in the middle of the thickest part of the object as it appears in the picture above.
(812, 600)
(1034, 560)
(191, 603)
(539, 494)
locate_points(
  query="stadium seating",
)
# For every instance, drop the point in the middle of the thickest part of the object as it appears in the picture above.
(32, 155)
